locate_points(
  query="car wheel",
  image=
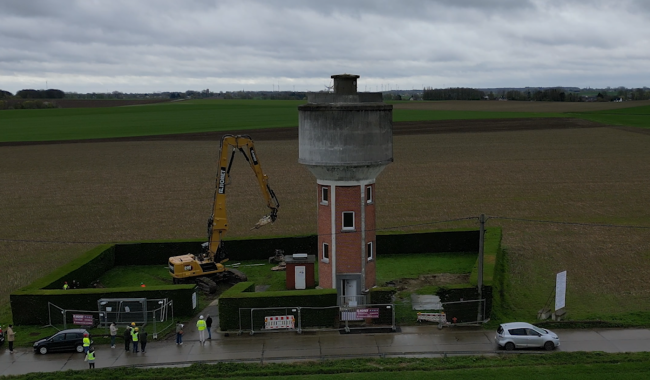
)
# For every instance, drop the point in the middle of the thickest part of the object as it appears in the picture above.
(42, 350)
(79, 348)
(549, 346)
(509, 346)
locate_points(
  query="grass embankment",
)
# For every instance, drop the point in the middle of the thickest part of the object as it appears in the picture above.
(592, 366)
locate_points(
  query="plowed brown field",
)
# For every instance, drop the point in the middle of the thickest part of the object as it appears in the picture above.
(58, 200)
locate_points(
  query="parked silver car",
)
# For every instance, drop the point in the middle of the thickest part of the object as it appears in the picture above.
(522, 335)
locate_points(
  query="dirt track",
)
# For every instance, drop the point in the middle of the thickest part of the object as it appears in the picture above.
(399, 129)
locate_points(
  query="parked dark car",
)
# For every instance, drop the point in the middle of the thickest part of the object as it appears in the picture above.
(2, 336)
(65, 340)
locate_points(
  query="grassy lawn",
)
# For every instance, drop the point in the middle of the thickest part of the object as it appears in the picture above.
(389, 267)
(540, 366)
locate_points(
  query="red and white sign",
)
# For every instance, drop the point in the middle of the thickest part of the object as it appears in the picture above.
(367, 313)
(82, 319)
(280, 322)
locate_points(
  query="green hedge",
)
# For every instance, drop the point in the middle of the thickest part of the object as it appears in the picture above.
(382, 296)
(84, 269)
(240, 296)
(30, 307)
(29, 304)
(158, 252)
(491, 250)
(427, 242)
(464, 311)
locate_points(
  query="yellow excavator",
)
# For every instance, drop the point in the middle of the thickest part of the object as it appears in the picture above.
(206, 268)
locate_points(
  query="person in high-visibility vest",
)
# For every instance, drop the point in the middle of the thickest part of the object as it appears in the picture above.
(65, 286)
(90, 358)
(134, 339)
(86, 343)
(201, 325)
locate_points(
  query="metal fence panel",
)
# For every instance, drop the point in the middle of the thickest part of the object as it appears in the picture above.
(465, 312)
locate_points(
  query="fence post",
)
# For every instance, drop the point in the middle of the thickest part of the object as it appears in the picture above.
(479, 316)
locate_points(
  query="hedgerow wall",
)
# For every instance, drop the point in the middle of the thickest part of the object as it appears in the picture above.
(29, 304)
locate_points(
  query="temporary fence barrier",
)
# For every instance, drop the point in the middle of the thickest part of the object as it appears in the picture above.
(465, 312)
(299, 319)
(159, 315)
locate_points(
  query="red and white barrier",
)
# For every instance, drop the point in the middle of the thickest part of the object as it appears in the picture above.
(280, 322)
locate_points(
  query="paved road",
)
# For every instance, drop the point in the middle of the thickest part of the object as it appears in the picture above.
(417, 341)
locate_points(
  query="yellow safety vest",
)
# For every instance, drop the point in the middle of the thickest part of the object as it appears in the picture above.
(134, 336)
(91, 356)
(200, 324)
(65, 286)
(86, 341)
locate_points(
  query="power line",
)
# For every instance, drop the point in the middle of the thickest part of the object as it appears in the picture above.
(376, 229)
(567, 223)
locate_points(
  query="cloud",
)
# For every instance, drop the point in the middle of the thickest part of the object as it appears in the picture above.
(164, 45)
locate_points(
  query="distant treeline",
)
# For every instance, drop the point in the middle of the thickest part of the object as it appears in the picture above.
(459, 93)
(549, 95)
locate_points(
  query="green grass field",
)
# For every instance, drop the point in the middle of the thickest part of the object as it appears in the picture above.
(223, 115)
(633, 117)
(569, 366)
(389, 268)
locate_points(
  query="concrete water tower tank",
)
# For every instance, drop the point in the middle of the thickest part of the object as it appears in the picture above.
(346, 140)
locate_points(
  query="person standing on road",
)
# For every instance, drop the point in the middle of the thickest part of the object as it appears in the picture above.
(86, 343)
(113, 329)
(11, 337)
(200, 324)
(208, 325)
(134, 339)
(179, 333)
(90, 358)
(143, 340)
(127, 338)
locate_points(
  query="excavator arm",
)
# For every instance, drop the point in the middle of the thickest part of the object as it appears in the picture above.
(218, 222)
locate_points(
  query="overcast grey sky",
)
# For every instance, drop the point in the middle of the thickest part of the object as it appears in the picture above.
(178, 45)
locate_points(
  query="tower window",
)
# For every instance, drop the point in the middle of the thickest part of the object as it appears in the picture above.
(348, 220)
(369, 194)
(324, 195)
(370, 252)
(326, 253)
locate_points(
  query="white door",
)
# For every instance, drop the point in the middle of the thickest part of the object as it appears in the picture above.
(300, 278)
(350, 292)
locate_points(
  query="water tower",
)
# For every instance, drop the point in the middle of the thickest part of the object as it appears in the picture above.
(346, 140)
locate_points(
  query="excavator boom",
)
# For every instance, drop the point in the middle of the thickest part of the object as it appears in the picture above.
(207, 267)
(218, 222)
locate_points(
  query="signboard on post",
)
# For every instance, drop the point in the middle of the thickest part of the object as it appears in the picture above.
(560, 290)
(82, 319)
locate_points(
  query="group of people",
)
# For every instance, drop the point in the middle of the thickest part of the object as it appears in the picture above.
(202, 325)
(133, 338)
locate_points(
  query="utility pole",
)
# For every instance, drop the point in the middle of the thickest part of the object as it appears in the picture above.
(481, 220)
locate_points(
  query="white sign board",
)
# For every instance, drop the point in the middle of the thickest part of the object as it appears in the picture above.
(560, 290)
